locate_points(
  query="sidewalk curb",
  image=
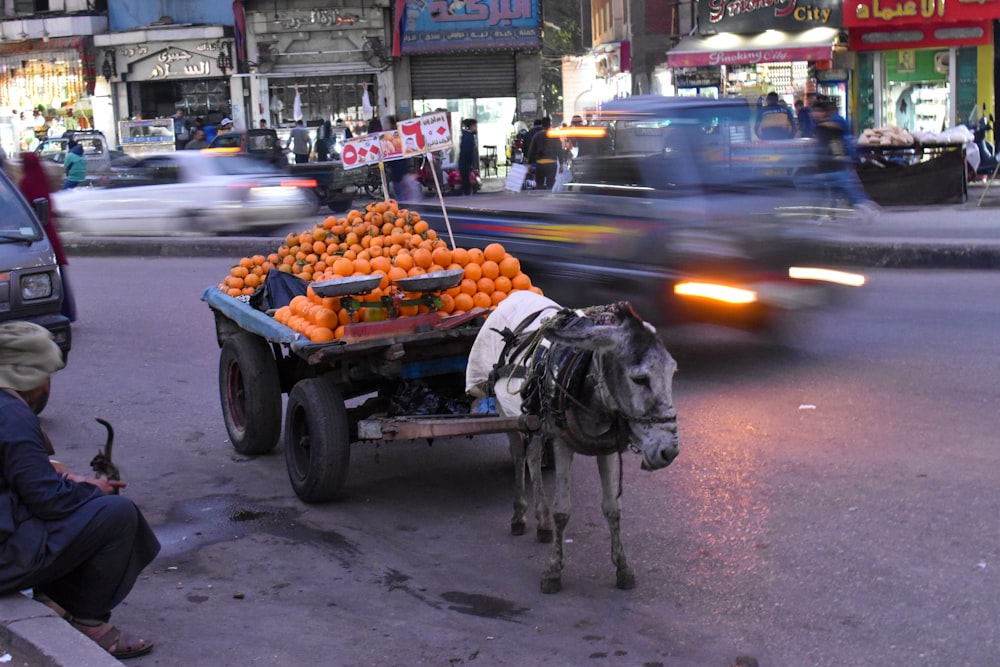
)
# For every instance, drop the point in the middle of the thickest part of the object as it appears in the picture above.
(34, 630)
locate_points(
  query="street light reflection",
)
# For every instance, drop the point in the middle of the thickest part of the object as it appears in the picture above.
(717, 292)
(826, 275)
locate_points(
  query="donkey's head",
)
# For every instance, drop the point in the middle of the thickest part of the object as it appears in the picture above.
(636, 372)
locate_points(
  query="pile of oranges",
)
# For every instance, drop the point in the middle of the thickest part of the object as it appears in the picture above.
(387, 240)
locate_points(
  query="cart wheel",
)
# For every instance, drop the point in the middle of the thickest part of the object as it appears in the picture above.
(250, 393)
(317, 442)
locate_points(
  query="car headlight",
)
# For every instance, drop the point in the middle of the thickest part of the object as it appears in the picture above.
(36, 286)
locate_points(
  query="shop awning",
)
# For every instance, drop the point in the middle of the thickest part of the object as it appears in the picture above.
(771, 46)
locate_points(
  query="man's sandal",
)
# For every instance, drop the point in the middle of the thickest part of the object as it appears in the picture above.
(115, 641)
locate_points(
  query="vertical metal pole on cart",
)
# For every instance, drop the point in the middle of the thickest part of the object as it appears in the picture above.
(429, 157)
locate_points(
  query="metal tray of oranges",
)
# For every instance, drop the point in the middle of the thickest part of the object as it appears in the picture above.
(346, 286)
(430, 282)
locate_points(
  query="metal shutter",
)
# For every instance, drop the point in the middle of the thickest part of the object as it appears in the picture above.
(465, 75)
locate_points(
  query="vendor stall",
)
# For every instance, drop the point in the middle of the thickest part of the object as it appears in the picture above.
(919, 174)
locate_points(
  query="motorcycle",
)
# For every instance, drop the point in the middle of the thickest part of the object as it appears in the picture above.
(449, 177)
(987, 158)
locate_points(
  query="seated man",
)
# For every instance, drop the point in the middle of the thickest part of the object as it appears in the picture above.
(70, 538)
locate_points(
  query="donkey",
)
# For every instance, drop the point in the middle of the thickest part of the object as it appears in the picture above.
(600, 380)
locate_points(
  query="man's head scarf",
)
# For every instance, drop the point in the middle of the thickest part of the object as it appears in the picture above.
(28, 356)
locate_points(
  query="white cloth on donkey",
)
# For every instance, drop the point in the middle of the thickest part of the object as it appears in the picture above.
(489, 344)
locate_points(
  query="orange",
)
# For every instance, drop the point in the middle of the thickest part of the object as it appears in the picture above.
(420, 226)
(395, 273)
(536, 290)
(468, 286)
(422, 257)
(464, 302)
(476, 256)
(490, 269)
(252, 280)
(319, 233)
(319, 247)
(380, 264)
(481, 300)
(486, 286)
(460, 256)
(473, 271)
(521, 281)
(494, 252)
(339, 332)
(239, 272)
(362, 266)
(232, 291)
(344, 316)
(497, 297)
(510, 266)
(404, 261)
(343, 267)
(441, 256)
(324, 317)
(416, 271)
(234, 282)
(503, 284)
(447, 304)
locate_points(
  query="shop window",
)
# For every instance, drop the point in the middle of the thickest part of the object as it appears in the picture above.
(30, 6)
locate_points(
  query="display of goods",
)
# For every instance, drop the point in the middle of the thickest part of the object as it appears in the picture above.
(889, 135)
(386, 240)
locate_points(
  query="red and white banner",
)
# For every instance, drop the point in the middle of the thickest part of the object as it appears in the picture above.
(414, 137)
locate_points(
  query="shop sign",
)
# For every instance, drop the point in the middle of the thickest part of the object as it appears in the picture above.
(750, 16)
(447, 26)
(697, 78)
(173, 62)
(749, 56)
(930, 35)
(875, 13)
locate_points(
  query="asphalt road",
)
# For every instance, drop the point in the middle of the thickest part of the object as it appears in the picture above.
(833, 504)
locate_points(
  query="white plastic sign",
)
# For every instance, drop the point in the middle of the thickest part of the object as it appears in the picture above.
(361, 151)
(425, 134)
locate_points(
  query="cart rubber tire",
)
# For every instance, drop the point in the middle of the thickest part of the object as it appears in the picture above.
(250, 392)
(317, 440)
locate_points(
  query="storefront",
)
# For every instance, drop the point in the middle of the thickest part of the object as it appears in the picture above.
(477, 62)
(47, 88)
(922, 66)
(154, 78)
(751, 49)
(315, 65)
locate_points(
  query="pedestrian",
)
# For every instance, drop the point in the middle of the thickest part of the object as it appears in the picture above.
(468, 154)
(182, 131)
(226, 125)
(774, 121)
(542, 155)
(803, 116)
(198, 140)
(324, 141)
(34, 185)
(263, 124)
(210, 131)
(528, 136)
(72, 539)
(398, 169)
(341, 128)
(300, 142)
(75, 165)
(837, 157)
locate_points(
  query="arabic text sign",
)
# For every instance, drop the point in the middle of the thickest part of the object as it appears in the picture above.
(749, 16)
(443, 25)
(360, 151)
(871, 13)
(425, 134)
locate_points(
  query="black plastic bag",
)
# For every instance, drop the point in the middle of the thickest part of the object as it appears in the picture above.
(278, 290)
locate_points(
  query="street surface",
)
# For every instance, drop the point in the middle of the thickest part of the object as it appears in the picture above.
(834, 502)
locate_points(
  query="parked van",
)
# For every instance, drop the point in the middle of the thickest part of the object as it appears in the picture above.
(30, 282)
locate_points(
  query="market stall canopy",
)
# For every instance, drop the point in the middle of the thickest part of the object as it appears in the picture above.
(770, 46)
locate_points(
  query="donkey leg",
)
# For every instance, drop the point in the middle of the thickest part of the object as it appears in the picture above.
(611, 504)
(543, 516)
(518, 445)
(552, 577)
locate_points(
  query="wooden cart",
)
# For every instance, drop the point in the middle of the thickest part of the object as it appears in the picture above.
(262, 359)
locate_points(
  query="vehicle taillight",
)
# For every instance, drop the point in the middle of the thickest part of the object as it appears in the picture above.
(299, 183)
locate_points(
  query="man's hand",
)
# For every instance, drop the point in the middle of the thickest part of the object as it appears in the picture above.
(108, 486)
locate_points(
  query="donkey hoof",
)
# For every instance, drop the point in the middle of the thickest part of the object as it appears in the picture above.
(544, 535)
(626, 580)
(551, 585)
(517, 527)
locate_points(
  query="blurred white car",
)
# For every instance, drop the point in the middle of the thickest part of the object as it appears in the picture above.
(187, 192)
